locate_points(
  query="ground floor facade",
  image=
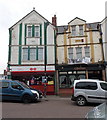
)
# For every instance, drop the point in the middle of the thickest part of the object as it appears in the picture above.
(57, 80)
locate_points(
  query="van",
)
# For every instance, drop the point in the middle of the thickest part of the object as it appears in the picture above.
(16, 90)
(89, 90)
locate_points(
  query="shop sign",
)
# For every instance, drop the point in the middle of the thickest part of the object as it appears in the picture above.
(32, 68)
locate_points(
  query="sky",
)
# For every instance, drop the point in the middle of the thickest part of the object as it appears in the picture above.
(12, 11)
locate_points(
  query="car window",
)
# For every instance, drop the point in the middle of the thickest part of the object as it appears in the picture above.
(15, 85)
(86, 85)
(103, 86)
(4, 84)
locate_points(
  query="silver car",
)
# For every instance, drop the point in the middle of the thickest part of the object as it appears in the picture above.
(89, 90)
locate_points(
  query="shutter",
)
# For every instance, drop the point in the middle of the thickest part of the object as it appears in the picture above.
(40, 34)
(33, 30)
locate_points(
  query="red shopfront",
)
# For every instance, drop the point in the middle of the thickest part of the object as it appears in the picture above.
(35, 77)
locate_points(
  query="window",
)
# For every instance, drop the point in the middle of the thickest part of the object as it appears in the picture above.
(70, 53)
(37, 31)
(80, 29)
(4, 84)
(103, 86)
(33, 31)
(73, 30)
(29, 31)
(25, 54)
(32, 54)
(63, 81)
(40, 53)
(86, 85)
(87, 51)
(15, 85)
(79, 52)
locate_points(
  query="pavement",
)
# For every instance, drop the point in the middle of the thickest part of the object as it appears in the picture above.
(55, 97)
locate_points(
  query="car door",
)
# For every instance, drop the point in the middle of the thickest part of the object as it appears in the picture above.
(103, 91)
(16, 90)
(91, 91)
(5, 92)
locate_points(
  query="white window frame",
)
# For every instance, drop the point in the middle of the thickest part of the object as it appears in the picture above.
(81, 30)
(40, 54)
(87, 52)
(25, 54)
(32, 54)
(29, 31)
(70, 53)
(74, 30)
(79, 52)
(37, 31)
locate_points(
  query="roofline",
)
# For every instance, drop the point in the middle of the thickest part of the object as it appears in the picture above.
(29, 14)
(103, 19)
(93, 22)
(76, 18)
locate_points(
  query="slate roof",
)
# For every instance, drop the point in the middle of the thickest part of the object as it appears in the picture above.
(61, 29)
(93, 26)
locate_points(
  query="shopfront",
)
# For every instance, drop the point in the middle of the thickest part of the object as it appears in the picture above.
(36, 77)
(67, 74)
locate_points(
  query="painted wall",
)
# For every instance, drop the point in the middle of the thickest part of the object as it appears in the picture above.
(32, 18)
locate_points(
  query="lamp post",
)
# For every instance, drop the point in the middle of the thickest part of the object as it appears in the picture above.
(45, 54)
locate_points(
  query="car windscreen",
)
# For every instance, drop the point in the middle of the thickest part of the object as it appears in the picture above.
(24, 85)
(103, 86)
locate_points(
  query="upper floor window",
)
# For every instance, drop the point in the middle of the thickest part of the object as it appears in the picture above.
(33, 30)
(73, 30)
(25, 54)
(40, 53)
(32, 54)
(79, 52)
(70, 53)
(80, 29)
(87, 51)
(37, 31)
(29, 31)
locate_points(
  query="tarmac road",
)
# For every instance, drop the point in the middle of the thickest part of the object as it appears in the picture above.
(50, 107)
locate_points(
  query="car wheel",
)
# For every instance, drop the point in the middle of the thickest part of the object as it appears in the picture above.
(26, 99)
(81, 101)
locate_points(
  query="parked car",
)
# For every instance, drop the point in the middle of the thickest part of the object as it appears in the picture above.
(16, 90)
(98, 113)
(89, 90)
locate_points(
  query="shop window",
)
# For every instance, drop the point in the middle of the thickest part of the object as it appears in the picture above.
(40, 80)
(63, 81)
(71, 80)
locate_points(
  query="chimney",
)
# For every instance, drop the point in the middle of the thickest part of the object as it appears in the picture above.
(54, 20)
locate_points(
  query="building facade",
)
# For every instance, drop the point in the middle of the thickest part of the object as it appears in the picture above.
(79, 53)
(104, 40)
(42, 53)
(31, 45)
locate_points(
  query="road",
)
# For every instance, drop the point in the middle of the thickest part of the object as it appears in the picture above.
(47, 108)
